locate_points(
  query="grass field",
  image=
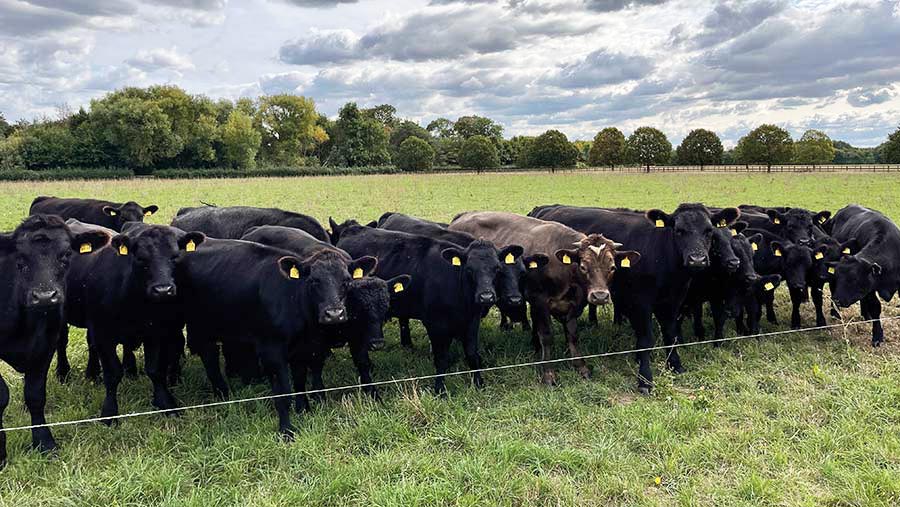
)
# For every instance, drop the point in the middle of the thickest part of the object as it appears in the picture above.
(800, 419)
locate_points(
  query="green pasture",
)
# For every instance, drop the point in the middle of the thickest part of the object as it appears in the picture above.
(806, 419)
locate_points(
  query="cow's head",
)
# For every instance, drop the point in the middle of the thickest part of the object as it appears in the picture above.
(796, 261)
(595, 260)
(828, 252)
(41, 248)
(510, 280)
(692, 228)
(368, 302)
(337, 229)
(153, 251)
(722, 254)
(853, 278)
(128, 212)
(741, 246)
(796, 224)
(480, 265)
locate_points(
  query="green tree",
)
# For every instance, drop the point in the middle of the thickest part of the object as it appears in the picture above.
(608, 148)
(479, 153)
(384, 114)
(360, 139)
(767, 144)
(11, 153)
(584, 150)
(134, 131)
(240, 141)
(890, 150)
(46, 145)
(469, 126)
(519, 149)
(647, 145)
(5, 127)
(440, 128)
(289, 127)
(844, 153)
(403, 131)
(700, 147)
(415, 154)
(814, 148)
(552, 149)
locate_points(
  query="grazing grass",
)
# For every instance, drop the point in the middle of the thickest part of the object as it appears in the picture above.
(800, 419)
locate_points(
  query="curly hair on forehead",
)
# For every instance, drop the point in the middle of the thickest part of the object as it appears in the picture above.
(691, 206)
(37, 222)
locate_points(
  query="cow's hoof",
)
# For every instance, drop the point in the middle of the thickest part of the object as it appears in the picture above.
(62, 374)
(677, 369)
(92, 376)
(644, 390)
(45, 445)
(877, 343)
(549, 378)
(288, 433)
(585, 372)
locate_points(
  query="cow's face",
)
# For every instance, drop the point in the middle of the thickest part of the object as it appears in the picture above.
(795, 225)
(740, 245)
(368, 302)
(153, 252)
(827, 254)
(480, 265)
(692, 227)
(128, 212)
(853, 279)
(596, 259)
(511, 277)
(796, 262)
(42, 247)
(338, 229)
(722, 252)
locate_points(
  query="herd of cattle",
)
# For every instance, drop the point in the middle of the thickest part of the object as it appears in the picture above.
(276, 292)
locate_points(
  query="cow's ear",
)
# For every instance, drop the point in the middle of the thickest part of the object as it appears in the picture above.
(738, 227)
(454, 256)
(398, 285)
(768, 283)
(821, 217)
(510, 253)
(373, 224)
(364, 266)
(775, 216)
(819, 252)
(777, 248)
(291, 268)
(536, 261)
(830, 269)
(191, 240)
(627, 258)
(89, 241)
(149, 210)
(7, 245)
(110, 211)
(566, 256)
(756, 240)
(849, 247)
(659, 218)
(121, 244)
(332, 224)
(725, 217)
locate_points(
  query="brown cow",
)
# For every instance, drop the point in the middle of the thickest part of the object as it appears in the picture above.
(571, 270)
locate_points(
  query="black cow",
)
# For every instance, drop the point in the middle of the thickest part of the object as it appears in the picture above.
(797, 225)
(367, 299)
(794, 262)
(34, 260)
(871, 271)
(674, 247)
(450, 287)
(338, 229)
(111, 215)
(231, 222)
(128, 294)
(265, 297)
(510, 299)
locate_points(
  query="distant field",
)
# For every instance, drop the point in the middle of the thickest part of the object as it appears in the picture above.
(801, 419)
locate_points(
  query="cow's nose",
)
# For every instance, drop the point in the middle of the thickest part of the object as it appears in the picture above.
(598, 297)
(805, 241)
(45, 297)
(514, 300)
(733, 265)
(487, 297)
(698, 261)
(163, 290)
(376, 344)
(751, 278)
(335, 315)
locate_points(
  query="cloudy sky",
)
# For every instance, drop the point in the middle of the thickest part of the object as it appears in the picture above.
(575, 65)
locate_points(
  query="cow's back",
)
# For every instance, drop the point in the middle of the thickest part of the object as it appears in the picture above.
(84, 210)
(414, 225)
(534, 235)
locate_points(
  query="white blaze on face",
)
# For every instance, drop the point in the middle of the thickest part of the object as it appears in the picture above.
(597, 249)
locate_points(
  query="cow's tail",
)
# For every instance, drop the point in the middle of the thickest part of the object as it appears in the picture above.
(209, 205)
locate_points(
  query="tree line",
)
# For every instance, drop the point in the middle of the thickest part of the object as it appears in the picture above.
(144, 129)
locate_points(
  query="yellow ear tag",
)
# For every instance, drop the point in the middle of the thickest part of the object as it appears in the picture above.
(532, 265)
(294, 273)
(776, 220)
(456, 261)
(660, 223)
(190, 246)
(846, 251)
(769, 286)
(148, 213)
(112, 213)
(819, 256)
(626, 263)
(831, 270)
(777, 253)
(357, 273)
(566, 259)
(509, 259)
(123, 250)
(85, 248)
(754, 246)
(722, 223)
(733, 232)
(398, 287)
(822, 220)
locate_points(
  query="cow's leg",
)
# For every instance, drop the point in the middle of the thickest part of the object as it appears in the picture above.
(359, 351)
(697, 316)
(405, 338)
(4, 402)
(470, 347)
(570, 328)
(740, 324)
(175, 350)
(209, 355)
(317, 366)
(440, 349)
(592, 313)
(815, 288)
(62, 355)
(298, 373)
(543, 340)
(871, 310)
(835, 313)
(796, 301)
(112, 372)
(717, 307)
(129, 361)
(669, 327)
(754, 315)
(92, 371)
(642, 324)
(275, 366)
(156, 364)
(618, 318)
(769, 300)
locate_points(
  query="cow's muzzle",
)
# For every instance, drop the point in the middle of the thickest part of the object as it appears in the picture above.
(598, 297)
(335, 315)
(43, 298)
